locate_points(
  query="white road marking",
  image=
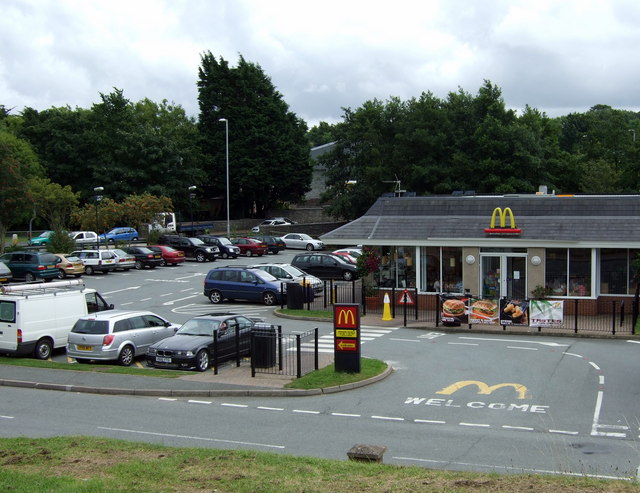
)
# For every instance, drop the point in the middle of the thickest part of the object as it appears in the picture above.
(346, 415)
(7, 417)
(265, 408)
(146, 299)
(634, 342)
(525, 348)
(170, 399)
(551, 344)
(169, 435)
(167, 303)
(233, 405)
(477, 425)
(463, 343)
(594, 365)
(573, 354)
(429, 421)
(388, 418)
(304, 411)
(193, 401)
(564, 432)
(522, 428)
(403, 340)
(121, 290)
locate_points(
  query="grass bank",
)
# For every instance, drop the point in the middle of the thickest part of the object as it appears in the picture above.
(85, 464)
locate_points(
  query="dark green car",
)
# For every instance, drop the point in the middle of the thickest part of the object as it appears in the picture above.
(31, 266)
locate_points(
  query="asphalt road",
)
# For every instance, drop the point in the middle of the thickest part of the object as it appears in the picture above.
(456, 401)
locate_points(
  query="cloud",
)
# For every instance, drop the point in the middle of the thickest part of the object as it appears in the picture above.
(555, 56)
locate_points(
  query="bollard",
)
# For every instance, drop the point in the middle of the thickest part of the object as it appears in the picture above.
(386, 313)
(366, 453)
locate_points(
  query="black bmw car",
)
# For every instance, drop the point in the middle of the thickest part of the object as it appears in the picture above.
(194, 344)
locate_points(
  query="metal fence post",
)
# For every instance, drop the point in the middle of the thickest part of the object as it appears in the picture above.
(279, 347)
(298, 357)
(575, 317)
(253, 352)
(215, 352)
(315, 351)
(613, 317)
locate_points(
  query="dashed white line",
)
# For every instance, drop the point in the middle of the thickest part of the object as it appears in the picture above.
(594, 365)
(564, 432)
(521, 428)
(193, 401)
(430, 421)
(265, 408)
(573, 354)
(346, 415)
(525, 348)
(477, 425)
(388, 418)
(601, 379)
(7, 417)
(228, 404)
(146, 299)
(171, 399)
(463, 343)
(304, 411)
(402, 340)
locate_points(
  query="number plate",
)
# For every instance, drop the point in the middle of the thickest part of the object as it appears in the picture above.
(84, 348)
(162, 359)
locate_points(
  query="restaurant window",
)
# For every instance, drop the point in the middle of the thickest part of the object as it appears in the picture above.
(616, 272)
(568, 271)
(441, 269)
(397, 268)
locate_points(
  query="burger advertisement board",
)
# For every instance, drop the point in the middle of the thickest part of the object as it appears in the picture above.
(454, 309)
(514, 312)
(483, 311)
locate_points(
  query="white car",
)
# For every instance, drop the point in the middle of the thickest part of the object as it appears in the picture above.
(276, 221)
(84, 237)
(97, 260)
(125, 260)
(301, 240)
(290, 273)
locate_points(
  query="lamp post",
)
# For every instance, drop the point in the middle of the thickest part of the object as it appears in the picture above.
(226, 133)
(192, 195)
(98, 197)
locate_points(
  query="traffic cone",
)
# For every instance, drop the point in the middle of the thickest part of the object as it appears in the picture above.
(386, 313)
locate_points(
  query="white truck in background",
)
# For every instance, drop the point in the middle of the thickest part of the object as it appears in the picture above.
(36, 318)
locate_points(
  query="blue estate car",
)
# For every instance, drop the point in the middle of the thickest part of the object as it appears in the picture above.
(120, 234)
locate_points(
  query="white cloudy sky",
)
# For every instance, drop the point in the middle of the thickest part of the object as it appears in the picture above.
(558, 56)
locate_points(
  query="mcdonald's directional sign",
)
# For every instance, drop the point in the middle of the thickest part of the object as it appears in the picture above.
(502, 229)
(346, 339)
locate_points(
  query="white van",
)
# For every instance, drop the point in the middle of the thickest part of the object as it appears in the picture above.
(36, 318)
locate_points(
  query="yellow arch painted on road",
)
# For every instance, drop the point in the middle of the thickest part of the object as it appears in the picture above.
(485, 389)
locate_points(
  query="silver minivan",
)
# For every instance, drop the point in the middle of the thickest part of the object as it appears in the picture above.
(117, 335)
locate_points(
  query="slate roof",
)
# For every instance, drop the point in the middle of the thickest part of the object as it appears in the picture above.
(545, 220)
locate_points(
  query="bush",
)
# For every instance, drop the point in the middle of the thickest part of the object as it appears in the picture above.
(60, 242)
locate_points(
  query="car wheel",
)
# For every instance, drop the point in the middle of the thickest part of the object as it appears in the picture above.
(139, 265)
(110, 240)
(152, 267)
(249, 253)
(225, 255)
(61, 274)
(82, 361)
(347, 275)
(202, 360)
(215, 297)
(200, 257)
(29, 277)
(89, 270)
(43, 349)
(309, 247)
(125, 358)
(163, 263)
(135, 238)
(269, 298)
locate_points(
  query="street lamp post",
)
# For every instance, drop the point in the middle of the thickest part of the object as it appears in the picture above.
(226, 133)
(98, 191)
(192, 195)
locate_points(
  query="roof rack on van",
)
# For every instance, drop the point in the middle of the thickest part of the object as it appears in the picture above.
(42, 287)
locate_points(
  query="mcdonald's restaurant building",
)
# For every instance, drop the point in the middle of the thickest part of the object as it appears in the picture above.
(514, 246)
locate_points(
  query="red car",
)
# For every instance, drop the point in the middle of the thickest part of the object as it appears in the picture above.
(249, 246)
(170, 256)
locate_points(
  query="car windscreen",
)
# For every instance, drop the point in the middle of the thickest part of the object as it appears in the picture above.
(91, 327)
(294, 271)
(265, 276)
(197, 241)
(144, 250)
(224, 241)
(48, 258)
(198, 327)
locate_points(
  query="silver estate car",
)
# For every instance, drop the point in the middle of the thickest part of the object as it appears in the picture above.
(117, 335)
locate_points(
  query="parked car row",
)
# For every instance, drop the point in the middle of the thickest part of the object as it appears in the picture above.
(120, 234)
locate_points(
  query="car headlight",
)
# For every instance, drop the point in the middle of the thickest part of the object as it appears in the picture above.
(188, 354)
(152, 350)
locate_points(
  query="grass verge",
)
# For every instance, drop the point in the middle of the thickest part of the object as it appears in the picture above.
(86, 464)
(328, 314)
(95, 367)
(329, 377)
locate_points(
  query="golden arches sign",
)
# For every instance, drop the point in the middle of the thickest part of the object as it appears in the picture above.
(502, 214)
(485, 389)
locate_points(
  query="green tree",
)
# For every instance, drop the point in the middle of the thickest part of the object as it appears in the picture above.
(18, 163)
(53, 202)
(320, 134)
(268, 149)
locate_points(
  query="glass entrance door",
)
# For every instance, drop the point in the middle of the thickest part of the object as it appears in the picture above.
(503, 276)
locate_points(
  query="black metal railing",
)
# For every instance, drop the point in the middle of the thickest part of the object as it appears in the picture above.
(274, 352)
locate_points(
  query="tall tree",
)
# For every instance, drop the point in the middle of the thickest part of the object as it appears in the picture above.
(268, 150)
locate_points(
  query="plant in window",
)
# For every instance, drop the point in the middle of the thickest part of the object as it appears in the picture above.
(541, 292)
(367, 265)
